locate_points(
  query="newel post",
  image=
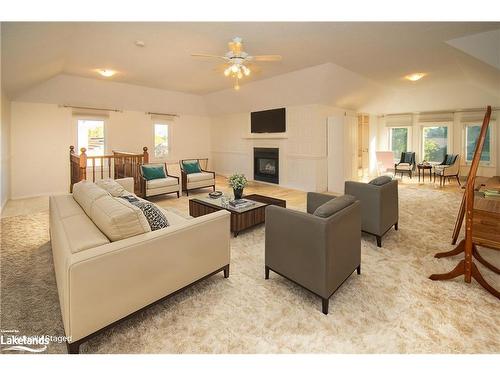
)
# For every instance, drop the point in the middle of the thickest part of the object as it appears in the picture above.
(71, 150)
(83, 164)
(145, 155)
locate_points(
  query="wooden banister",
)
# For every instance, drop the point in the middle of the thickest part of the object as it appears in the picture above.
(122, 163)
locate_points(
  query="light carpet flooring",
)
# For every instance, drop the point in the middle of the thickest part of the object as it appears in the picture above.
(392, 307)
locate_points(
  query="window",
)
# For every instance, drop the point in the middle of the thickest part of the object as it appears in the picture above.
(398, 141)
(161, 141)
(434, 143)
(471, 135)
(91, 136)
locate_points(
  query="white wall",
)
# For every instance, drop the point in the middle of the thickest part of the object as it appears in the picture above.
(303, 150)
(42, 133)
(5, 150)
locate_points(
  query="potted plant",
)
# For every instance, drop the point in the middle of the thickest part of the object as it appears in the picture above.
(238, 182)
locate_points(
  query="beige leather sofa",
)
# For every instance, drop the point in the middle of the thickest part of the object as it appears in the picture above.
(101, 281)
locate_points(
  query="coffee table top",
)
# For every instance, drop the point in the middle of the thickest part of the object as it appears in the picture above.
(425, 166)
(217, 202)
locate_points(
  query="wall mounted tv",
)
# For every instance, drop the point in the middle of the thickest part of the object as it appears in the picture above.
(270, 121)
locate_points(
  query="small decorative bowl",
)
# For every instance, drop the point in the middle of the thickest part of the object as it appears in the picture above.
(215, 194)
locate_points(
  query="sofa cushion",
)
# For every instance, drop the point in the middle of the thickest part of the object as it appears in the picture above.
(154, 171)
(202, 176)
(381, 180)
(81, 233)
(86, 193)
(117, 218)
(191, 166)
(112, 187)
(334, 205)
(161, 182)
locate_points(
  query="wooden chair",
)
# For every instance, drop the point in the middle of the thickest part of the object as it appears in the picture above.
(168, 185)
(406, 164)
(197, 180)
(450, 167)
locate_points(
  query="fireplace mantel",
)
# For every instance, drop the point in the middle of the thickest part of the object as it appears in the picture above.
(267, 136)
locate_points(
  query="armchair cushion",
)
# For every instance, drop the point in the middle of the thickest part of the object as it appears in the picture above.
(201, 176)
(334, 205)
(161, 182)
(408, 158)
(404, 166)
(450, 159)
(152, 172)
(379, 181)
(191, 166)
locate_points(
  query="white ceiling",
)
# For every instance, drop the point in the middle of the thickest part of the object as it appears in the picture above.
(382, 52)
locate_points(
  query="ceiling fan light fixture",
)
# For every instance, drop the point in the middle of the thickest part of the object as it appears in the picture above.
(415, 76)
(235, 68)
(246, 71)
(227, 72)
(106, 72)
(239, 75)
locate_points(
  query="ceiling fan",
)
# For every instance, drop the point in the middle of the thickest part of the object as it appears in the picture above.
(237, 62)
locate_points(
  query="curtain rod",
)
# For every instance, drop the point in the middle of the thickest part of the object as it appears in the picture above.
(91, 108)
(163, 114)
(442, 111)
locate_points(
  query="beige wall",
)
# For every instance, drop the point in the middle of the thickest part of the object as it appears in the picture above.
(41, 134)
(5, 151)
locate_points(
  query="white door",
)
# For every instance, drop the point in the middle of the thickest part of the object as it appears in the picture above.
(342, 151)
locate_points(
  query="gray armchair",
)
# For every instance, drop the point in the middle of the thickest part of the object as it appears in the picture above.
(319, 249)
(379, 206)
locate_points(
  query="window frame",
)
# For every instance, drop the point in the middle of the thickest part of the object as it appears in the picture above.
(449, 140)
(92, 118)
(169, 139)
(493, 144)
(408, 138)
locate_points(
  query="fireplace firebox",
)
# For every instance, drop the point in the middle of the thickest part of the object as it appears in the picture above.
(266, 165)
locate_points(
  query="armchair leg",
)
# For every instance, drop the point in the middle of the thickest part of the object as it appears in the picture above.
(213, 186)
(379, 241)
(324, 303)
(458, 180)
(396, 226)
(226, 271)
(359, 269)
(178, 194)
(266, 273)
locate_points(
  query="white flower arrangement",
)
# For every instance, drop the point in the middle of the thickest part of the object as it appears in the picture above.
(238, 181)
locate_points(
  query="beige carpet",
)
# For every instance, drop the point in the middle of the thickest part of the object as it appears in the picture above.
(391, 308)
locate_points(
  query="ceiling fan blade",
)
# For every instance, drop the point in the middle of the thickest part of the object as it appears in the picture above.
(209, 56)
(266, 58)
(254, 69)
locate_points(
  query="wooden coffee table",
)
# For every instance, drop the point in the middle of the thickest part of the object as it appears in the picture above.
(240, 218)
(423, 167)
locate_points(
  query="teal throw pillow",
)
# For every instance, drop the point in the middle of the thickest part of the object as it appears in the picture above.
(153, 172)
(191, 166)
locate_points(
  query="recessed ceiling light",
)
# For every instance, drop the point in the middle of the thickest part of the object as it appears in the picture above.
(140, 43)
(415, 76)
(106, 72)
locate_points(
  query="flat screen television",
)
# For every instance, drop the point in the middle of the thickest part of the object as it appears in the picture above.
(270, 121)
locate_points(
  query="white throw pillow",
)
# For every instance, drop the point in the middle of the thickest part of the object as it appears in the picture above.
(112, 187)
(118, 219)
(85, 193)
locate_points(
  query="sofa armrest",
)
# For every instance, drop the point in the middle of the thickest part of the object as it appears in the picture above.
(127, 183)
(111, 281)
(314, 200)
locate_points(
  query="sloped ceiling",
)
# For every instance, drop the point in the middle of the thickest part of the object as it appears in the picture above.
(343, 64)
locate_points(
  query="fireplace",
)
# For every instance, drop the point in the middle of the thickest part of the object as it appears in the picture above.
(266, 165)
